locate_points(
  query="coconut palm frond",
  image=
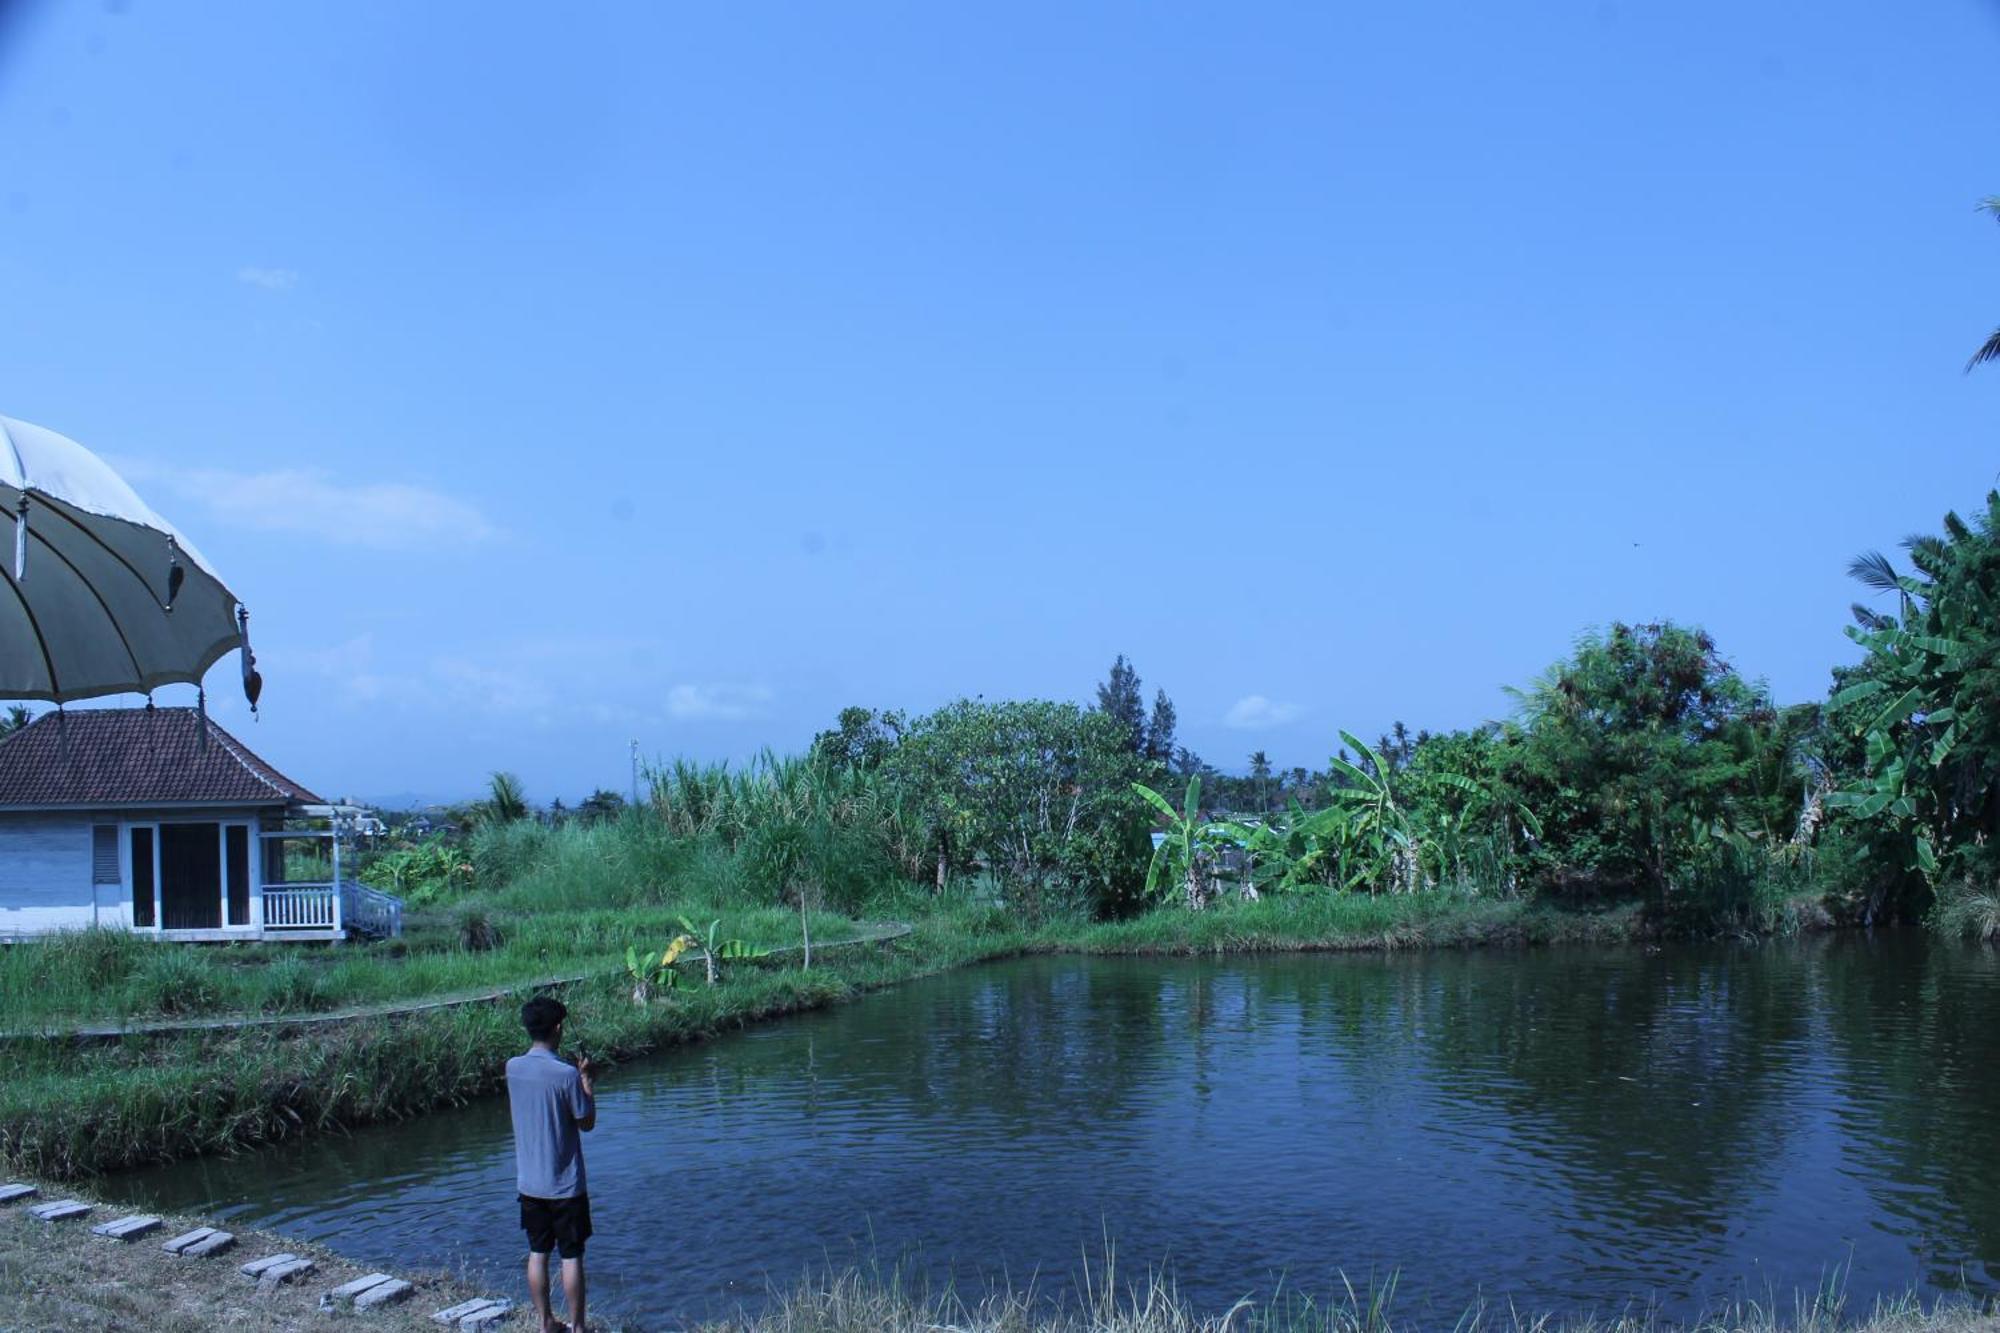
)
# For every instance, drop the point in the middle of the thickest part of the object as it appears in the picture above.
(1871, 620)
(1988, 351)
(1873, 569)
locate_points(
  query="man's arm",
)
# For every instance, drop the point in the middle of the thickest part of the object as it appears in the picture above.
(586, 1120)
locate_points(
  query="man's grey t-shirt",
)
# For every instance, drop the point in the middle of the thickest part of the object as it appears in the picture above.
(547, 1097)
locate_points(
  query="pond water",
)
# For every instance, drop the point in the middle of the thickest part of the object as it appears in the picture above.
(1568, 1129)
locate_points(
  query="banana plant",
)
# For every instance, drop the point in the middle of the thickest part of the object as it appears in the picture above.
(1374, 832)
(1922, 711)
(649, 974)
(1189, 847)
(713, 950)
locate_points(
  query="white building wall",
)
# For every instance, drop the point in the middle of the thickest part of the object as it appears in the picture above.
(45, 876)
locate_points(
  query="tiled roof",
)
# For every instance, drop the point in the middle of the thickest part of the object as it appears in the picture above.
(135, 756)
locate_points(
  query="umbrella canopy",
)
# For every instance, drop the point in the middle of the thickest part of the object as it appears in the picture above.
(100, 595)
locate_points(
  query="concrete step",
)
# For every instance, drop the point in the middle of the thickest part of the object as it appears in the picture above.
(200, 1243)
(387, 1293)
(275, 1270)
(365, 1293)
(475, 1316)
(127, 1228)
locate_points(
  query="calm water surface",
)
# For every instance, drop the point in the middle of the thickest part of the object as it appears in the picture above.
(1566, 1129)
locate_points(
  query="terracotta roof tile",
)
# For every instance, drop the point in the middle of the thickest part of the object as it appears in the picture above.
(135, 756)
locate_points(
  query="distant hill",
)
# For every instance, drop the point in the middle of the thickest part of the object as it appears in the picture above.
(407, 800)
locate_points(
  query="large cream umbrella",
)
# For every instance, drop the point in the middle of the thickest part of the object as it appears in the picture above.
(100, 594)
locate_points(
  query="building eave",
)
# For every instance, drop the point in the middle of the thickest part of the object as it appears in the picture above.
(261, 803)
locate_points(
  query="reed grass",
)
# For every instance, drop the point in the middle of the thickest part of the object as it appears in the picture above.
(859, 1300)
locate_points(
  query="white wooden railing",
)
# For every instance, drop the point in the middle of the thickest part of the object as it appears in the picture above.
(295, 906)
(372, 911)
(328, 906)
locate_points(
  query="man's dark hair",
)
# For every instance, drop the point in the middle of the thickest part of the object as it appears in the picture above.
(542, 1016)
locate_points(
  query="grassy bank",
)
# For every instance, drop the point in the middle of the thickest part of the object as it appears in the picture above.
(116, 976)
(62, 1277)
(74, 1109)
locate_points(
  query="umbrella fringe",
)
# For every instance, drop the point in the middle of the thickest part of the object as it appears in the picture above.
(253, 680)
(175, 574)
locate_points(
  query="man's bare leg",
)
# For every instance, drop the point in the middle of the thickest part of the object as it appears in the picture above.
(538, 1290)
(572, 1273)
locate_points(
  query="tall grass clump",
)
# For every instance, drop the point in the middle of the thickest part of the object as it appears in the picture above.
(1968, 912)
(177, 980)
(73, 964)
(790, 827)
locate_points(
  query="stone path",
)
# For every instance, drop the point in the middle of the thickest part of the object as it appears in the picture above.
(373, 1292)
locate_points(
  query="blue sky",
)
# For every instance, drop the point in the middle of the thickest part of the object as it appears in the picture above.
(546, 379)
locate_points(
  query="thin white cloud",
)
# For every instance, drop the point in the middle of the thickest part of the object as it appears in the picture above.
(385, 515)
(717, 703)
(492, 689)
(270, 279)
(1253, 712)
(536, 682)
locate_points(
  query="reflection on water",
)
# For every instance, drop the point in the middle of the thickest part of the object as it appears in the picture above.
(1565, 1129)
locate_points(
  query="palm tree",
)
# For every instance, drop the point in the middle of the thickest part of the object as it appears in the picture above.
(16, 717)
(1260, 769)
(1990, 349)
(507, 800)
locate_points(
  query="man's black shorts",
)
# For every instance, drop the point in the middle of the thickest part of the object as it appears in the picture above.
(556, 1224)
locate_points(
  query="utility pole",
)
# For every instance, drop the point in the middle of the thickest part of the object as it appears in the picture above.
(635, 774)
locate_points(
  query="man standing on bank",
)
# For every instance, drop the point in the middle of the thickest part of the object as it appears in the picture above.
(553, 1103)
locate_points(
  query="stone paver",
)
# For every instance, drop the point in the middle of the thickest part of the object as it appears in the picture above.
(256, 1267)
(215, 1243)
(386, 1293)
(127, 1228)
(476, 1316)
(348, 1291)
(60, 1210)
(276, 1276)
(187, 1238)
(16, 1193)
